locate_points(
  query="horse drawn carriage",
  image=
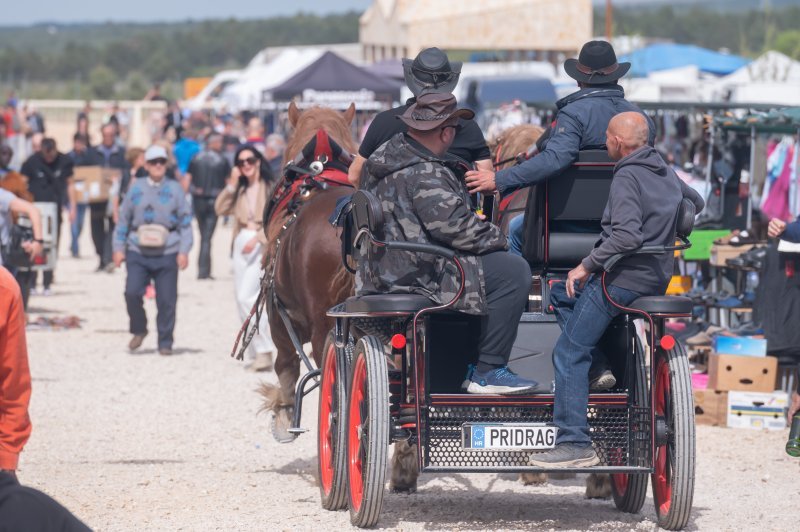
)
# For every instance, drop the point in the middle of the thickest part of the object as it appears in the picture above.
(389, 367)
(393, 365)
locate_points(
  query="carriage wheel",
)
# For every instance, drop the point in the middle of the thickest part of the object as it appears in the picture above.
(367, 432)
(630, 489)
(673, 477)
(331, 440)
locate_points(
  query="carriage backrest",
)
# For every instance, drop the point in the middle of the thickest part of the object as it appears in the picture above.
(562, 217)
(686, 215)
(364, 213)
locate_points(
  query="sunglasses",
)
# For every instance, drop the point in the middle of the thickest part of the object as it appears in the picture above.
(250, 160)
(158, 162)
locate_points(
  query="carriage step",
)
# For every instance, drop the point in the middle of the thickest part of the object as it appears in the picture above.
(297, 430)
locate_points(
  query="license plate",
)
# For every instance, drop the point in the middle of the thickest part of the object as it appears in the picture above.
(508, 436)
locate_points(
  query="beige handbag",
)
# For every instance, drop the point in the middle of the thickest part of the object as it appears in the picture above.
(152, 236)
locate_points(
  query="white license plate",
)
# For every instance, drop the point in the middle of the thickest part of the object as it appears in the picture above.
(507, 436)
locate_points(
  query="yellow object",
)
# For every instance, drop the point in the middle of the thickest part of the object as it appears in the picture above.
(679, 284)
(193, 86)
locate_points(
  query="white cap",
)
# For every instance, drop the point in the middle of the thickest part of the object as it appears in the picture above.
(155, 152)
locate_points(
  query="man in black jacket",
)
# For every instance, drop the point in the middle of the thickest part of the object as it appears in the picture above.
(207, 175)
(641, 211)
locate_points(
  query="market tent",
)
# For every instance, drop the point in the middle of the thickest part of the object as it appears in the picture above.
(770, 67)
(331, 74)
(668, 56)
(780, 121)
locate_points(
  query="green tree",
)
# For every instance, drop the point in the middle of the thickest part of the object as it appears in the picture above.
(101, 82)
(788, 42)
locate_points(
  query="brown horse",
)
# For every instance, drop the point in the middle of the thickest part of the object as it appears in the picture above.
(511, 142)
(303, 258)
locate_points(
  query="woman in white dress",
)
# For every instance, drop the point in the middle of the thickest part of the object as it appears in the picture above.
(244, 198)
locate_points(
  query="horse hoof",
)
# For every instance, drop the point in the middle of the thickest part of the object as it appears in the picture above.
(529, 479)
(398, 488)
(281, 423)
(598, 486)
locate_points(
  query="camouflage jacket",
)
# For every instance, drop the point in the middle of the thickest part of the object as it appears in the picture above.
(423, 202)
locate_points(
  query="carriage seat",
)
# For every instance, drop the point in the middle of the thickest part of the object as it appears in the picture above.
(663, 305)
(378, 303)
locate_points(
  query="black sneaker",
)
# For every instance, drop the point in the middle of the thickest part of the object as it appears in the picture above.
(566, 455)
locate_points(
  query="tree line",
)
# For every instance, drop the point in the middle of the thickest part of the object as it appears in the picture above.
(121, 60)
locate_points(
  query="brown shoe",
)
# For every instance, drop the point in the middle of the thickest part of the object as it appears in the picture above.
(165, 351)
(136, 341)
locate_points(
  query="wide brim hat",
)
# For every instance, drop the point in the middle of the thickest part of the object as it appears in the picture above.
(596, 64)
(433, 110)
(431, 71)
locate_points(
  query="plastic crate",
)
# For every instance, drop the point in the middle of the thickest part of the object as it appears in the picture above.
(702, 240)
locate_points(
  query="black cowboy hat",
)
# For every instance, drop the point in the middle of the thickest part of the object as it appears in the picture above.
(596, 64)
(432, 110)
(431, 71)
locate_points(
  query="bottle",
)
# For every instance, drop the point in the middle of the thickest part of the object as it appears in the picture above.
(793, 445)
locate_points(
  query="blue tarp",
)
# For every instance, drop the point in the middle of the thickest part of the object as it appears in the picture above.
(666, 56)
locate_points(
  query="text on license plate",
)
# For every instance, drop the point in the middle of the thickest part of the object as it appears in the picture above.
(533, 436)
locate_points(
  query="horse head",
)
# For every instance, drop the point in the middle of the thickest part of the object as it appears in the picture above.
(512, 142)
(306, 124)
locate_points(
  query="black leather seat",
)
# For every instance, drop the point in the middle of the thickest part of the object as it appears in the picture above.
(663, 305)
(378, 303)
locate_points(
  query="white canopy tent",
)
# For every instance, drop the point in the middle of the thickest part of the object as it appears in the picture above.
(772, 78)
(259, 76)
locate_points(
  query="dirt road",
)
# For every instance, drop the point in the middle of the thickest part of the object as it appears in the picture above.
(143, 442)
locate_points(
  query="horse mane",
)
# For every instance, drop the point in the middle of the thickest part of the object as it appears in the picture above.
(333, 122)
(514, 140)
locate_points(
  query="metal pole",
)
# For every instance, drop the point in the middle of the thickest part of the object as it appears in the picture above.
(609, 20)
(750, 182)
(710, 158)
(793, 208)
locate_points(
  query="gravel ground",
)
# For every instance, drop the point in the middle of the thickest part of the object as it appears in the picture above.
(143, 442)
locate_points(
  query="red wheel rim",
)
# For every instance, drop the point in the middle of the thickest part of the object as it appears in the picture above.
(662, 479)
(357, 432)
(327, 425)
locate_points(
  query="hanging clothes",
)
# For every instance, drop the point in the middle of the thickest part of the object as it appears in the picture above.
(775, 200)
(777, 303)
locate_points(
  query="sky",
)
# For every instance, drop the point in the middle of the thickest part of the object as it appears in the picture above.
(62, 12)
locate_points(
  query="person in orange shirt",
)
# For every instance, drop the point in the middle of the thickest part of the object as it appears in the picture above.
(15, 376)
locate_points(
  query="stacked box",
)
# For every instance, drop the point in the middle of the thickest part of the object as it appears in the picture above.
(742, 373)
(756, 411)
(710, 407)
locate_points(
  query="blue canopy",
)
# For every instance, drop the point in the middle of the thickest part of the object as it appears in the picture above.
(666, 56)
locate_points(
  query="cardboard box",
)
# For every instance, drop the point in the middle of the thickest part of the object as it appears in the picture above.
(93, 183)
(710, 407)
(746, 374)
(722, 252)
(748, 410)
(740, 345)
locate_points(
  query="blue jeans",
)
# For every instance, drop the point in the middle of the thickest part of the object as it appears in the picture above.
(77, 226)
(583, 321)
(516, 235)
(163, 270)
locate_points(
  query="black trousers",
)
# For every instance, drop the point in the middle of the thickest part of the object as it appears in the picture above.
(101, 231)
(24, 508)
(163, 270)
(207, 220)
(507, 279)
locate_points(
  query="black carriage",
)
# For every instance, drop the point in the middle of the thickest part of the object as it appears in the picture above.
(394, 363)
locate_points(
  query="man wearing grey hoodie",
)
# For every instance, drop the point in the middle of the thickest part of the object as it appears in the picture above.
(642, 210)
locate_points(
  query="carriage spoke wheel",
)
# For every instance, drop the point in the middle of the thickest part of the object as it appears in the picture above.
(630, 489)
(331, 458)
(367, 432)
(673, 476)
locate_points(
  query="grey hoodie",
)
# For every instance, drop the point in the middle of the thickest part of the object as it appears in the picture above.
(641, 211)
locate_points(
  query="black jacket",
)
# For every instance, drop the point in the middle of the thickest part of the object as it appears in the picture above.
(642, 210)
(48, 182)
(209, 170)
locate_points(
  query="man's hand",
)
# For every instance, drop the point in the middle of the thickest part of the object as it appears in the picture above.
(32, 248)
(183, 261)
(579, 274)
(794, 406)
(117, 258)
(776, 228)
(480, 181)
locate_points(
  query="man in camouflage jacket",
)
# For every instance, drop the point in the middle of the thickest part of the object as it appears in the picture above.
(424, 202)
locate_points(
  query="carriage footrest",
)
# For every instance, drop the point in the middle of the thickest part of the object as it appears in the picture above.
(620, 432)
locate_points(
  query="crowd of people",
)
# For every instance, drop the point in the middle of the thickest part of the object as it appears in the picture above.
(199, 166)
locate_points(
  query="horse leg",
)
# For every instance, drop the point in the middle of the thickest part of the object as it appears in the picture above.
(405, 468)
(280, 399)
(528, 479)
(598, 486)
